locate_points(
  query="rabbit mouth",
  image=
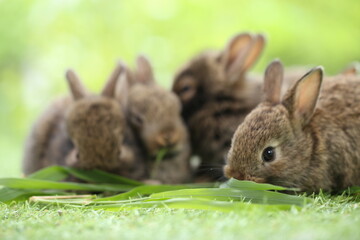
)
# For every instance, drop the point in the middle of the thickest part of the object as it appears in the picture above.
(231, 173)
(171, 154)
(168, 155)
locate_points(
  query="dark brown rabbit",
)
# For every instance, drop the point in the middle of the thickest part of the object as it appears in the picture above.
(154, 116)
(303, 141)
(85, 131)
(216, 95)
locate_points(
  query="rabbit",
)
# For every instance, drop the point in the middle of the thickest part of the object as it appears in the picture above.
(85, 131)
(153, 114)
(216, 94)
(304, 141)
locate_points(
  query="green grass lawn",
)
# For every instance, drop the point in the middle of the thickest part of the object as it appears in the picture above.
(327, 218)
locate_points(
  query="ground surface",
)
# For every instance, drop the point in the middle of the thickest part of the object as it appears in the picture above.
(327, 218)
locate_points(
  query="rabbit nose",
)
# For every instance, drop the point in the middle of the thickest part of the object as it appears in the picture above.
(166, 140)
(231, 173)
(255, 179)
(239, 176)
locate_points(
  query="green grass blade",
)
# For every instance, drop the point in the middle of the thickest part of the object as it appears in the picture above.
(10, 194)
(228, 194)
(21, 183)
(189, 203)
(248, 185)
(85, 201)
(98, 176)
(150, 189)
(64, 200)
(354, 190)
(159, 157)
(53, 173)
(58, 173)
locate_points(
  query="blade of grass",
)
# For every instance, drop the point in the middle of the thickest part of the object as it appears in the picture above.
(70, 199)
(98, 176)
(53, 173)
(354, 190)
(8, 195)
(228, 194)
(89, 201)
(159, 157)
(150, 189)
(21, 183)
(176, 203)
(248, 185)
(189, 203)
(58, 173)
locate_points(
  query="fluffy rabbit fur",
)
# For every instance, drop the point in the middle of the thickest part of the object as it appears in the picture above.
(84, 131)
(153, 113)
(304, 141)
(216, 95)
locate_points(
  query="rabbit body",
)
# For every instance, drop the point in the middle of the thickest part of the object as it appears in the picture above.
(216, 95)
(293, 143)
(48, 142)
(153, 114)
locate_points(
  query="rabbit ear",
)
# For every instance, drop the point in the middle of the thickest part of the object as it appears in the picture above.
(350, 70)
(122, 89)
(257, 47)
(244, 51)
(302, 98)
(109, 88)
(144, 73)
(274, 75)
(77, 89)
(234, 48)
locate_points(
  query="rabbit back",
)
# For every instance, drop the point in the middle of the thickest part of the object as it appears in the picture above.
(340, 128)
(48, 142)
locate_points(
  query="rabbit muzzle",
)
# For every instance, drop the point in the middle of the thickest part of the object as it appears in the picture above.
(239, 175)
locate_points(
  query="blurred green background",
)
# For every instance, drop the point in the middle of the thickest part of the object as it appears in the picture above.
(39, 39)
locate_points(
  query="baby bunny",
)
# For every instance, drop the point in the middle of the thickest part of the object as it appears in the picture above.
(154, 115)
(216, 95)
(304, 141)
(85, 131)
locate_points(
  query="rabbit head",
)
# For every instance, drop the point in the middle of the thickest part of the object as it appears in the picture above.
(271, 145)
(95, 123)
(154, 112)
(213, 74)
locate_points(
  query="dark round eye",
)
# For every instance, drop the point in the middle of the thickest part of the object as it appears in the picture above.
(184, 89)
(268, 154)
(137, 120)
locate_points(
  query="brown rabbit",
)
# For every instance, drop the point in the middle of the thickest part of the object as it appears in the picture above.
(216, 95)
(85, 131)
(154, 115)
(304, 141)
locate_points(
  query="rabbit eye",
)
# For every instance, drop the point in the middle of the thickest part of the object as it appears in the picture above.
(137, 120)
(184, 89)
(268, 154)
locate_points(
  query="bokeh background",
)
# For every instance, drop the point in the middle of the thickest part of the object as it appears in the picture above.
(40, 39)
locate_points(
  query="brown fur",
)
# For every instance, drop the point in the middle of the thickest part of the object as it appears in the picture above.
(48, 142)
(154, 115)
(315, 147)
